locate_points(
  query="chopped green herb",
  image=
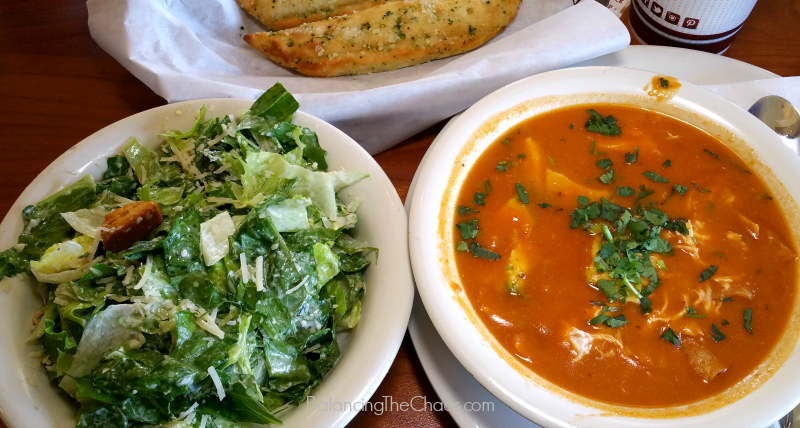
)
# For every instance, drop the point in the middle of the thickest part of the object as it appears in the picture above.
(583, 200)
(523, 195)
(488, 185)
(571, 126)
(748, 318)
(625, 191)
(468, 229)
(602, 125)
(661, 264)
(711, 153)
(680, 189)
(505, 141)
(698, 187)
(667, 163)
(607, 177)
(725, 322)
(503, 165)
(462, 210)
(716, 334)
(726, 299)
(552, 162)
(608, 321)
(544, 205)
(708, 273)
(671, 337)
(462, 246)
(478, 251)
(664, 82)
(515, 289)
(645, 193)
(631, 157)
(479, 198)
(692, 313)
(472, 30)
(604, 163)
(655, 177)
(521, 155)
(563, 140)
(591, 149)
(718, 254)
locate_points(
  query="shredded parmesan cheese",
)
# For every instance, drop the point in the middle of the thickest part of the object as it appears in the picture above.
(245, 273)
(217, 383)
(146, 276)
(128, 276)
(293, 289)
(260, 273)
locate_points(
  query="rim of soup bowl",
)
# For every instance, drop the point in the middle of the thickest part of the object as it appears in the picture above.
(451, 313)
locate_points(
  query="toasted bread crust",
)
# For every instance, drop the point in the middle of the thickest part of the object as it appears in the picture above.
(282, 14)
(124, 226)
(386, 37)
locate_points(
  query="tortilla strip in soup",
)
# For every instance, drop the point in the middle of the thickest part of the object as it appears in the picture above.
(625, 255)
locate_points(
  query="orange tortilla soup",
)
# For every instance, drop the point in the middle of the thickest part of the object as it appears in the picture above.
(625, 255)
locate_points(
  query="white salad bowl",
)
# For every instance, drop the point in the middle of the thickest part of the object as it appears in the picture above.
(432, 249)
(27, 399)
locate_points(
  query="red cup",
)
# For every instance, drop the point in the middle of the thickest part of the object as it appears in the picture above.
(706, 25)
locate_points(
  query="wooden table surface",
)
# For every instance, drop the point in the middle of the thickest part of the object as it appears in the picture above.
(57, 87)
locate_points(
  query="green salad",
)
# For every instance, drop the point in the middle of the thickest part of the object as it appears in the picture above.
(224, 314)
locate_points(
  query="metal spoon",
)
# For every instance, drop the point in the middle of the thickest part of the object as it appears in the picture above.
(779, 114)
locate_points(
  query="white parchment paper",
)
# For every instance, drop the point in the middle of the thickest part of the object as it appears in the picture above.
(189, 49)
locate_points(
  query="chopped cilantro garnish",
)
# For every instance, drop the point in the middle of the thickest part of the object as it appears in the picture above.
(591, 149)
(462, 210)
(571, 126)
(468, 229)
(479, 198)
(716, 334)
(718, 254)
(711, 153)
(655, 177)
(645, 193)
(503, 165)
(523, 195)
(708, 273)
(552, 162)
(544, 205)
(583, 200)
(602, 125)
(726, 299)
(698, 187)
(667, 163)
(631, 157)
(604, 163)
(462, 246)
(680, 189)
(608, 321)
(607, 177)
(625, 191)
(671, 337)
(505, 141)
(664, 82)
(488, 185)
(725, 322)
(748, 318)
(515, 289)
(521, 155)
(692, 313)
(478, 251)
